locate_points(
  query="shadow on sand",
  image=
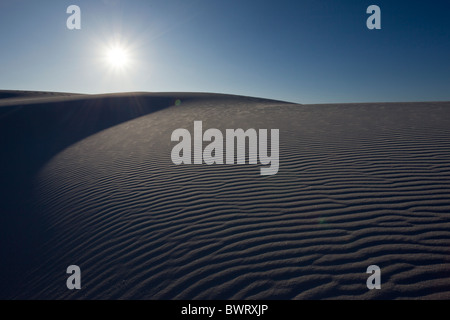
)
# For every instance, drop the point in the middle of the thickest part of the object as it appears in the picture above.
(30, 135)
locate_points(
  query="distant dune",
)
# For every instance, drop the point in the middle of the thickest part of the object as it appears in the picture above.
(8, 97)
(88, 180)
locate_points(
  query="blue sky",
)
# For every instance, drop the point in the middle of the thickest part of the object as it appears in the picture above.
(300, 51)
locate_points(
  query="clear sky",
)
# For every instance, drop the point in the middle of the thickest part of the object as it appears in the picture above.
(305, 51)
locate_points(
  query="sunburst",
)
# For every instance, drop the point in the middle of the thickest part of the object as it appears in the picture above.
(117, 57)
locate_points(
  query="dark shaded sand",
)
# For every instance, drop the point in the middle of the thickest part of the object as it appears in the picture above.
(88, 180)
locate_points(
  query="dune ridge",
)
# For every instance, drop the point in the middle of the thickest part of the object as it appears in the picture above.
(358, 184)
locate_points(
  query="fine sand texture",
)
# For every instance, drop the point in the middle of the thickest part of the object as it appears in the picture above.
(88, 180)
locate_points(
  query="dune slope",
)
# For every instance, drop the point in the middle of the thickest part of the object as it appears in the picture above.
(90, 182)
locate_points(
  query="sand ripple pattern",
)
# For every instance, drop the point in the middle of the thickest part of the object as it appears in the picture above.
(358, 184)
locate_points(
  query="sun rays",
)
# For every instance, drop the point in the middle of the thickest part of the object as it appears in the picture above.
(117, 57)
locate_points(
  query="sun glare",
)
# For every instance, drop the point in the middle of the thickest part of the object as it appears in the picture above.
(117, 57)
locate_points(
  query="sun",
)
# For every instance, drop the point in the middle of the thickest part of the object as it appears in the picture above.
(117, 57)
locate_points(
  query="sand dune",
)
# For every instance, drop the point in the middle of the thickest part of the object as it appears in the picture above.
(88, 180)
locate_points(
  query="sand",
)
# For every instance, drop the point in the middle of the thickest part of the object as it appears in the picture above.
(88, 180)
